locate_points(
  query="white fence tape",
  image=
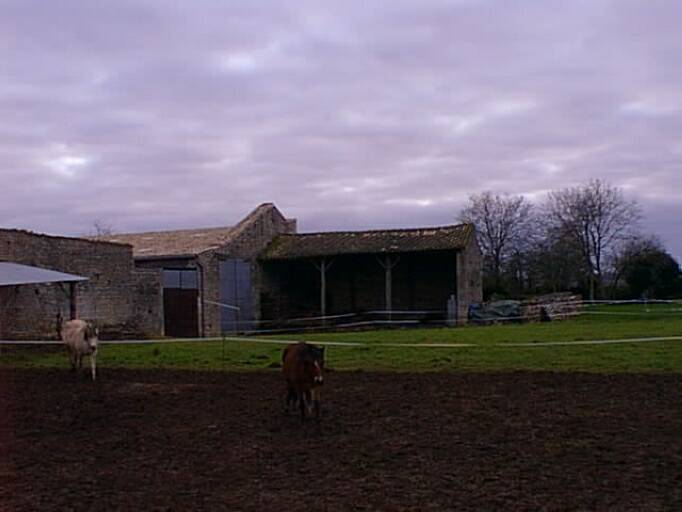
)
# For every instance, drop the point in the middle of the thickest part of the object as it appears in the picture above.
(248, 339)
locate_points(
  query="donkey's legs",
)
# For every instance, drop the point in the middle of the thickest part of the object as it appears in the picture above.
(72, 360)
(93, 364)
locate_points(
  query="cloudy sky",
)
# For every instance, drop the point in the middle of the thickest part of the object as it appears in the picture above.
(357, 114)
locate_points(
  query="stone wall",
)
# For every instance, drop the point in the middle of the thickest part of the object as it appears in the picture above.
(4, 301)
(120, 299)
(147, 305)
(469, 278)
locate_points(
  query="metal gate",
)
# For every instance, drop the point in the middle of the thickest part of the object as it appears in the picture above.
(236, 310)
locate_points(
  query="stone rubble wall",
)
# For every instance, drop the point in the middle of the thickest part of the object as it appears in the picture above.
(121, 300)
(558, 306)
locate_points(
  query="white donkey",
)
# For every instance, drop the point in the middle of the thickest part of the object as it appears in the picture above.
(80, 338)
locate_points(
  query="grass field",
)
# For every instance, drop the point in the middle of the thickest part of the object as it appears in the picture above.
(492, 348)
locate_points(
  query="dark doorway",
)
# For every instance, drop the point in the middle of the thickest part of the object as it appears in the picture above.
(180, 299)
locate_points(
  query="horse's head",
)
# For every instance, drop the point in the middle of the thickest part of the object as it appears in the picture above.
(317, 373)
(92, 336)
(318, 364)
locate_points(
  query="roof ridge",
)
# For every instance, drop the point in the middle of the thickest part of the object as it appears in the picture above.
(136, 233)
(257, 209)
(387, 230)
(188, 241)
(174, 243)
(91, 240)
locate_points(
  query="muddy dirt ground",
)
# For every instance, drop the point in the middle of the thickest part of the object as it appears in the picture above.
(168, 440)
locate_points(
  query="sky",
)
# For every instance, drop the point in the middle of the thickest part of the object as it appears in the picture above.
(151, 115)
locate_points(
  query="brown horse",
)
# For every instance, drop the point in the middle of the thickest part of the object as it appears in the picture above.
(302, 365)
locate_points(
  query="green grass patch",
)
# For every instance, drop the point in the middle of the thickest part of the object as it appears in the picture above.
(493, 348)
(194, 355)
(600, 323)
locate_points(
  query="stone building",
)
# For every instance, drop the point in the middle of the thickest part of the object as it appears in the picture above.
(259, 272)
(207, 273)
(124, 300)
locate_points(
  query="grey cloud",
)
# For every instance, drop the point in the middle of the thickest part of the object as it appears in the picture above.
(150, 115)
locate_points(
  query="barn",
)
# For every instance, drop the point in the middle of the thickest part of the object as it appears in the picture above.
(399, 275)
(254, 275)
(208, 273)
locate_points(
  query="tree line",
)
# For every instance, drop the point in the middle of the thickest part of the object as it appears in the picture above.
(586, 239)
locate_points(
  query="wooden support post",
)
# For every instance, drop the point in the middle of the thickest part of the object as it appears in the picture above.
(323, 288)
(73, 297)
(323, 266)
(389, 288)
(388, 265)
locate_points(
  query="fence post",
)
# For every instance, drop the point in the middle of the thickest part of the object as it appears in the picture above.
(451, 319)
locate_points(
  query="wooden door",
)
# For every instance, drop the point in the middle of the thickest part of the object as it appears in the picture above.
(180, 313)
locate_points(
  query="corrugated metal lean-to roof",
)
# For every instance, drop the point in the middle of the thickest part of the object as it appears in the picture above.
(12, 274)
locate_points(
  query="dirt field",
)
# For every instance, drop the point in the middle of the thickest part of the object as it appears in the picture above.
(161, 440)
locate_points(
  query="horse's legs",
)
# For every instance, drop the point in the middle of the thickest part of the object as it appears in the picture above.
(316, 403)
(302, 404)
(291, 399)
(79, 357)
(308, 401)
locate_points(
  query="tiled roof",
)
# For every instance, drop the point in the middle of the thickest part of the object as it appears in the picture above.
(309, 245)
(182, 242)
(188, 242)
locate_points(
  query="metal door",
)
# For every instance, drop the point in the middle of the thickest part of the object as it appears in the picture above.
(236, 309)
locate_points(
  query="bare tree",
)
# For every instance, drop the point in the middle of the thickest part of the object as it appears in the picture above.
(556, 263)
(100, 229)
(597, 218)
(503, 225)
